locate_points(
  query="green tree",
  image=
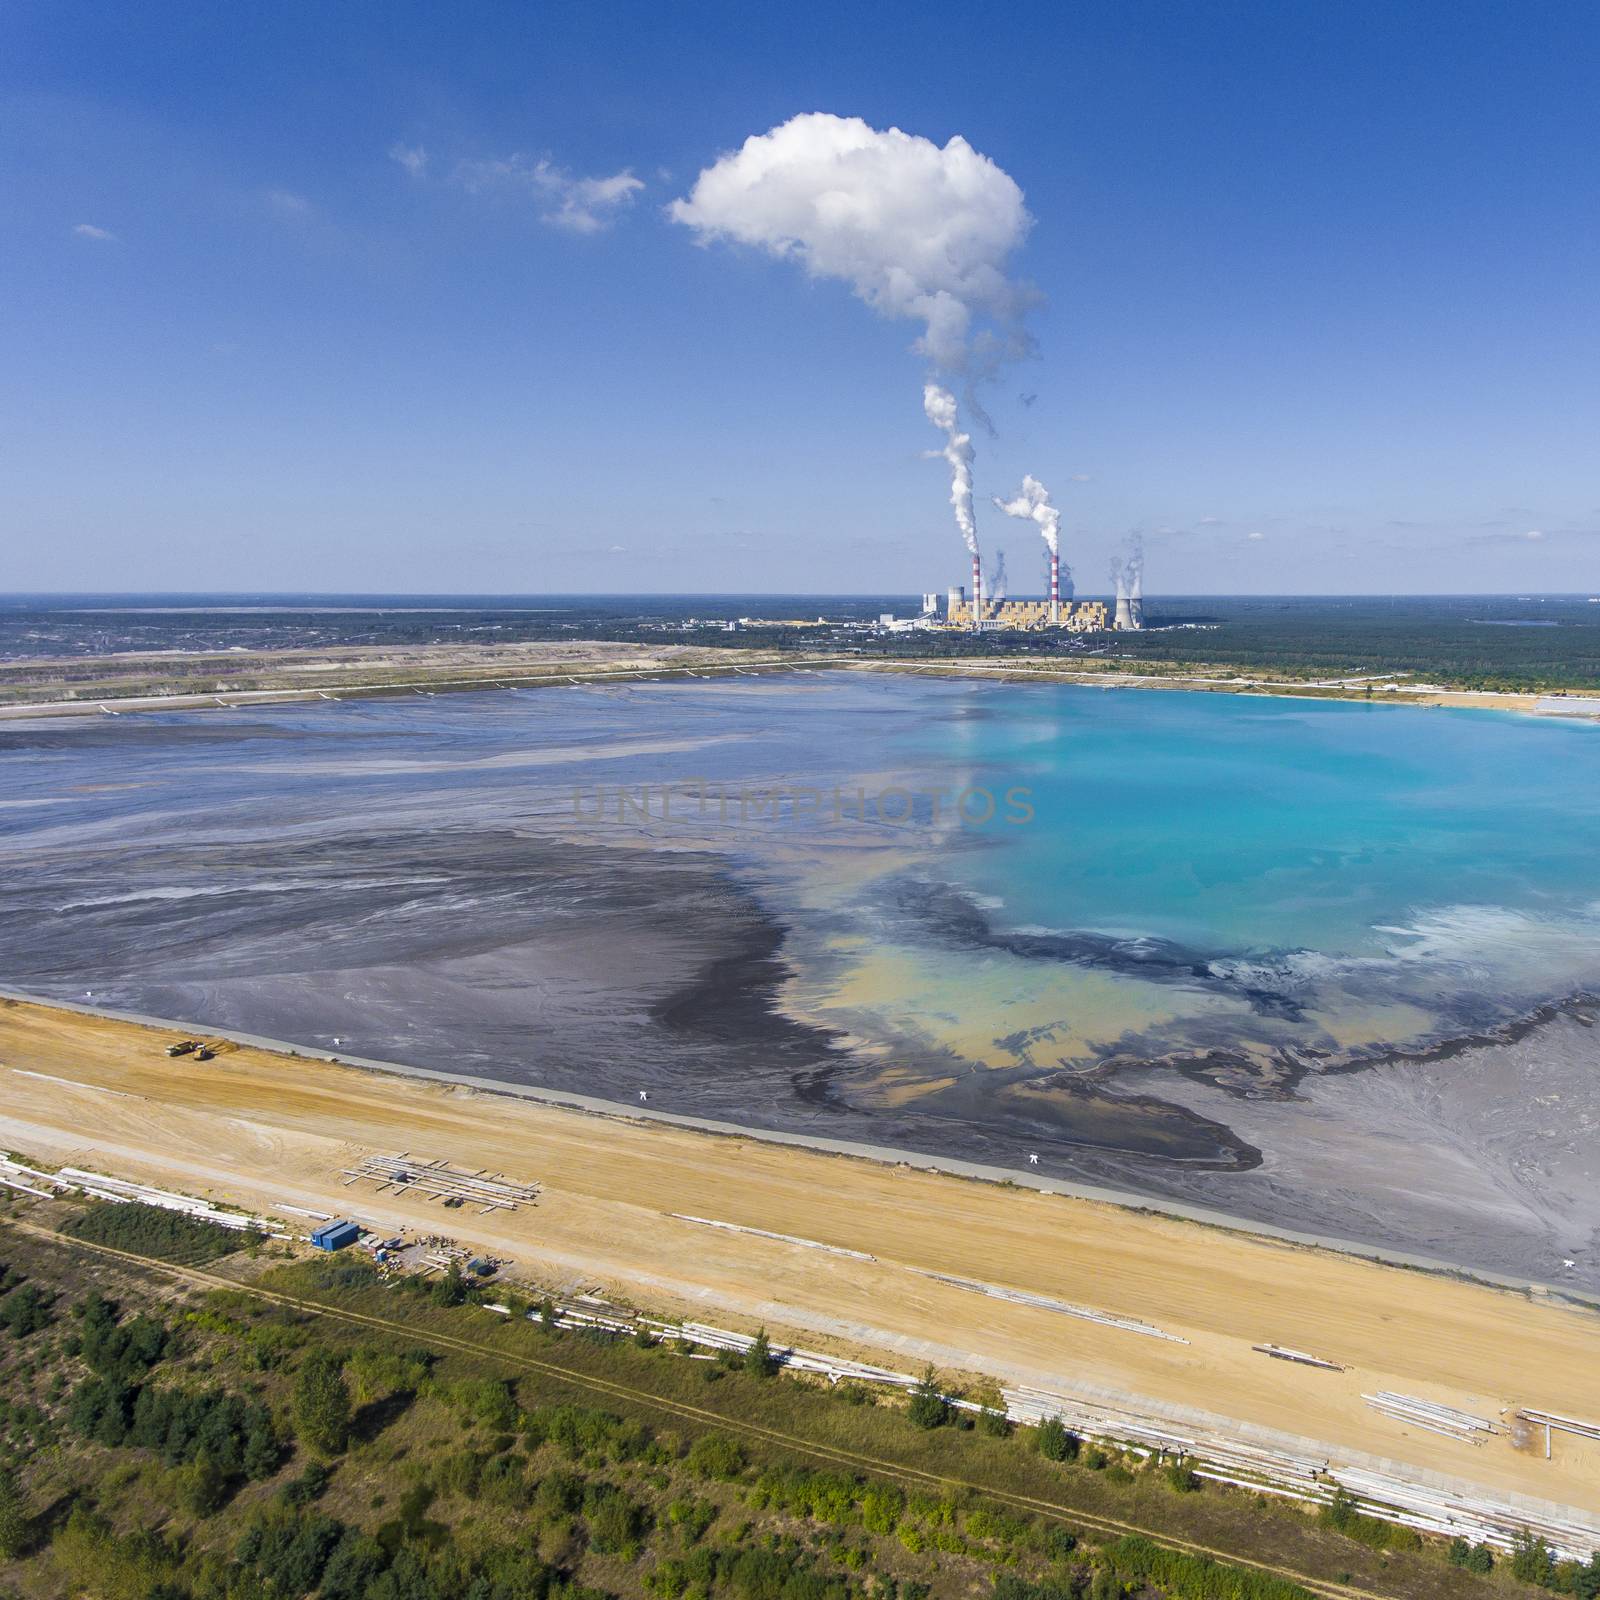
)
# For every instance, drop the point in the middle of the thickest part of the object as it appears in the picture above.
(1053, 1441)
(322, 1403)
(260, 1459)
(26, 1310)
(928, 1408)
(1531, 1560)
(451, 1289)
(758, 1359)
(14, 1520)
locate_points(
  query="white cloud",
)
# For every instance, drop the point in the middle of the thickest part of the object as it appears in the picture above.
(1209, 522)
(1255, 538)
(916, 231)
(87, 230)
(1533, 533)
(412, 157)
(580, 205)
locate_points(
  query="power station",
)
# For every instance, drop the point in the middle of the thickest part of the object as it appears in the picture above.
(1033, 616)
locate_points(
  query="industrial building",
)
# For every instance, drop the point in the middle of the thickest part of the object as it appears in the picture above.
(995, 616)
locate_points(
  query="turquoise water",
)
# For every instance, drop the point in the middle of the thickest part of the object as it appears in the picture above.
(1251, 825)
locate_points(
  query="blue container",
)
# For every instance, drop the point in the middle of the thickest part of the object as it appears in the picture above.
(335, 1235)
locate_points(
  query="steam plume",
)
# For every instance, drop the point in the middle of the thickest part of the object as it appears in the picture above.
(997, 578)
(1119, 577)
(1033, 505)
(940, 406)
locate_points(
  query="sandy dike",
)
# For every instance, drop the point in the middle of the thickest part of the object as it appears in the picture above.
(259, 1128)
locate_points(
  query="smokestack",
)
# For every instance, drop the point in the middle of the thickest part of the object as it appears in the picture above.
(1055, 587)
(977, 590)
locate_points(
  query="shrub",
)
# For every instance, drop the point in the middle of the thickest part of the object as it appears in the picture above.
(558, 1494)
(461, 1473)
(1341, 1514)
(308, 1487)
(1052, 1440)
(26, 1310)
(1182, 1476)
(715, 1455)
(616, 1524)
(377, 1374)
(488, 1401)
(116, 1349)
(881, 1507)
(110, 1566)
(201, 1487)
(1134, 1559)
(691, 1518)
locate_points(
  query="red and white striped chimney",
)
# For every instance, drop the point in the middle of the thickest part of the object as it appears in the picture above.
(1055, 587)
(977, 590)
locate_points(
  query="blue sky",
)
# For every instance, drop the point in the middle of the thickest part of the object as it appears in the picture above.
(1318, 298)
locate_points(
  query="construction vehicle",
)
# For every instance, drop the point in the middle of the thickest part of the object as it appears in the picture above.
(204, 1053)
(182, 1047)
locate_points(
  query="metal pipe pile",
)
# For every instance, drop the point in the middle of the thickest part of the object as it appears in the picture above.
(1444, 1512)
(440, 1181)
(121, 1192)
(1445, 1420)
(13, 1175)
(1551, 1419)
(1281, 1353)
